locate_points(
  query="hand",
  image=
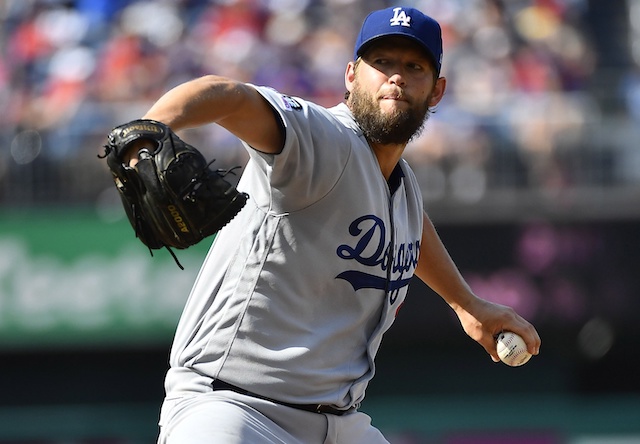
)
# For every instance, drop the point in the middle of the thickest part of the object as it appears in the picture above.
(130, 156)
(483, 321)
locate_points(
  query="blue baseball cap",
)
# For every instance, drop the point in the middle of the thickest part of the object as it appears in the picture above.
(401, 21)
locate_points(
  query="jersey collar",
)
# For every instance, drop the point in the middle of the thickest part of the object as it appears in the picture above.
(395, 179)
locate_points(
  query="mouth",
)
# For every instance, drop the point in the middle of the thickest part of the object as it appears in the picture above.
(395, 96)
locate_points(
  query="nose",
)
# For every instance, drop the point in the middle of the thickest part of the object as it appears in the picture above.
(396, 79)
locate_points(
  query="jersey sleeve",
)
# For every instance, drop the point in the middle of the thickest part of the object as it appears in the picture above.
(316, 149)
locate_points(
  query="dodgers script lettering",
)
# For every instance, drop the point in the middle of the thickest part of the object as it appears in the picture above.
(372, 249)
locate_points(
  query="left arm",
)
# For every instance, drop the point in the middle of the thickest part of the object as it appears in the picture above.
(481, 320)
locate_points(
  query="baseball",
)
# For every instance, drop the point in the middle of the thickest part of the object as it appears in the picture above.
(512, 349)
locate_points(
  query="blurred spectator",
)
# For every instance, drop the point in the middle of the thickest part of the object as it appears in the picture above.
(519, 111)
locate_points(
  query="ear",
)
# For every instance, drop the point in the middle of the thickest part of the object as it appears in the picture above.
(349, 76)
(438, 91)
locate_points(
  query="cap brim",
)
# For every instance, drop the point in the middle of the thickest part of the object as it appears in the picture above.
(365, 46)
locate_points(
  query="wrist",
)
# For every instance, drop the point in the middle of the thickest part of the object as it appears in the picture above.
(464, 302)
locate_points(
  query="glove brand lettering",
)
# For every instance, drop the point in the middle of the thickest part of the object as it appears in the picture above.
(400, 18)
(177, 218)
(373, 250)
(141, 127)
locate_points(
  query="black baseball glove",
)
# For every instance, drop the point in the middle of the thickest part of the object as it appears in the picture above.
(171, 196)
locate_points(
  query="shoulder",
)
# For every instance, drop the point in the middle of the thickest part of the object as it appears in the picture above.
(343, 114)
(284, 102)
(297, 107)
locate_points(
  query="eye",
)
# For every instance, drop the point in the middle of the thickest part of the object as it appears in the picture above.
(415, 67)
(381, 61)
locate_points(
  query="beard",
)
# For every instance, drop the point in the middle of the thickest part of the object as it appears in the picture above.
(398, 127)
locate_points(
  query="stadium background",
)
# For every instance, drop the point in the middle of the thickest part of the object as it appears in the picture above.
(530, 169)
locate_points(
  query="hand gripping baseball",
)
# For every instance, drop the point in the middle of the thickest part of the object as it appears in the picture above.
(483, 321)
(171, 196)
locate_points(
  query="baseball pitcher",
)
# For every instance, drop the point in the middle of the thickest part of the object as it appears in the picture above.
(315, 250)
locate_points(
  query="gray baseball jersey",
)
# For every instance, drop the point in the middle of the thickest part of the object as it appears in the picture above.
(296, 292)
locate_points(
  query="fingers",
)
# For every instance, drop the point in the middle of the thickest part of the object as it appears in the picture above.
(521, 327)
(533, 343)
(526, 330)
(487, 320)
(488, 342)
(493, 352)
(533, 347)
(530, 336)
(130, 156)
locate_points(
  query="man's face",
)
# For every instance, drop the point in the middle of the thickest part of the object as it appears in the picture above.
(391, 91)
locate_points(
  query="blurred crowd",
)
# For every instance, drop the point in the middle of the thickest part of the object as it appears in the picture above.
(519, 112)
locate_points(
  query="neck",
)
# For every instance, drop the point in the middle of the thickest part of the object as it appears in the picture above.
(388, 156)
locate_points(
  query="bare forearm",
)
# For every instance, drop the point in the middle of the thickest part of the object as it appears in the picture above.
(439, 272)
(236, 106)
(197, 102)
(480, 319)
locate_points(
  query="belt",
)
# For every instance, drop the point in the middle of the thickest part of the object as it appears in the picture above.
(217, 384)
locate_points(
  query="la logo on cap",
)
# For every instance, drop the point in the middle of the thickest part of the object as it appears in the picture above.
(400, 18)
